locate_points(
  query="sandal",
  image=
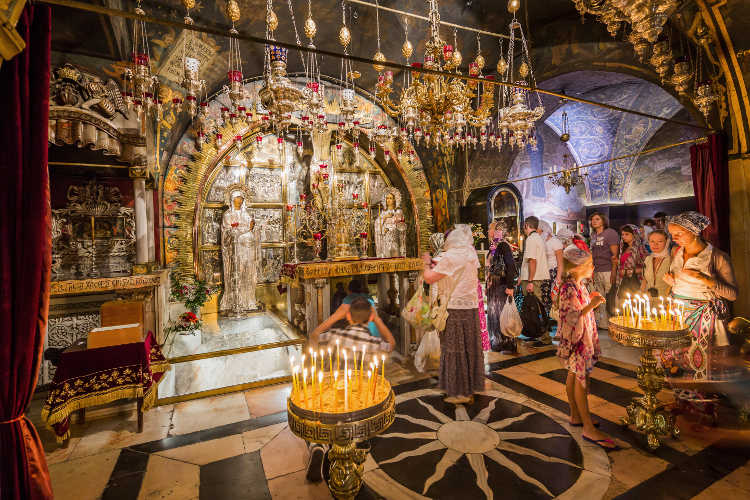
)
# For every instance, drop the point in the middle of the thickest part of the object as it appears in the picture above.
(595, 422)
(600, 441)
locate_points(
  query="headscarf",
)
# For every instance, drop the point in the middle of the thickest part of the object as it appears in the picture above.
(458, 250)
(546, 230)
(565, 235)
(576, 256)
(437, 241)
(637, 251)
(502, 226)
(692, 221)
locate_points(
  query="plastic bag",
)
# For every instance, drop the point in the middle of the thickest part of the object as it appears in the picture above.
(428, 354)
(417, 310)
(510, 320)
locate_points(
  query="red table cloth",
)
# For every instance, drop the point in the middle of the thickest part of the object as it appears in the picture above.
(88, 377)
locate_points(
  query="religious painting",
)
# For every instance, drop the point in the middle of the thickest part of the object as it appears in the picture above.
(482, 271)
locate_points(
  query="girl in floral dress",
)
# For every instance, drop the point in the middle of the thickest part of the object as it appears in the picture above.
(579, 349)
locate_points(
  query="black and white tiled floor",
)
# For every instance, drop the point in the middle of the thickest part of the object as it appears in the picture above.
(514, 442)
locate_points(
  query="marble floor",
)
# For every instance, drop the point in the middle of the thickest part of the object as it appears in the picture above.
(514, 442)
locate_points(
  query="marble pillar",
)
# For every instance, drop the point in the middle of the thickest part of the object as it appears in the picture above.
(150, 227)
(141, 227)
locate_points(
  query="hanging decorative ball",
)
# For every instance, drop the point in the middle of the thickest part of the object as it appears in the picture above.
(271, 20)
(379, 57)
(407, 49)
(523, 70)
(233, 11)
(480, 61)
(310, 28)
(456, 58)
(502, 66)
(565, 137)
(345, 36)
(513, 6)
(189, 4)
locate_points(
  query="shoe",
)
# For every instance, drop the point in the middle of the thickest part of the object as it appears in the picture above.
(315, 465)
(600, 441)
(539, 344)
(595, 422)
(508, 353)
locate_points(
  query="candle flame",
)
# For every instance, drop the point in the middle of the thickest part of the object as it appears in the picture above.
(320, 377)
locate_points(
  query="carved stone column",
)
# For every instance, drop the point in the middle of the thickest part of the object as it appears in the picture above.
(392, 307)
(412, 277)
(300, 321)
(150, 238)
(141, 227)
(320, 284)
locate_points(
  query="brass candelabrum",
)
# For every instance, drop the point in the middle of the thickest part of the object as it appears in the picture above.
(646, 412)
(306, 224)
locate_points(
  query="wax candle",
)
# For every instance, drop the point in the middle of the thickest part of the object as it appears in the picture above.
(367, 396)
(382, 372)
(304, 384)
(351, 393)
(315, 360)
(362, 367)
(320, 386)
(375, 385)
(336, 391)
(346, 386)
(617, 315)
(312, 384)
(338, 357)
(303, 361)
(330, 364)
(656, 319)
(354, 360)
(295, 387)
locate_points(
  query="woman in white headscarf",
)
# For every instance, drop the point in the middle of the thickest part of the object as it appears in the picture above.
(461, 356)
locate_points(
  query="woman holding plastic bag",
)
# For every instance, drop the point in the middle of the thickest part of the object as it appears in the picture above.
(502, 281)
(461, 356)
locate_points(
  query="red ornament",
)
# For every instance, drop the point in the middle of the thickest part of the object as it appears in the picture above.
(365, 205)
(363, 235)
(235, 224)
(289, 208)
(303, 197)
(317, 236)
(355, 195)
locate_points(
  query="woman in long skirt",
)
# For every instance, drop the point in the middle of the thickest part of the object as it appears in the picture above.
(502, 272)
(461, 357)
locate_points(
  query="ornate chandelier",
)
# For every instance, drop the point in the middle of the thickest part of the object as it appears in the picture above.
(191, 68)
(139, 82)
(517, 120)
(568, 176)
(647, 17)
(278, 95)
(436, 107)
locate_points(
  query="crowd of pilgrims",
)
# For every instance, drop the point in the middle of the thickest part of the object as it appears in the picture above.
(569, 277)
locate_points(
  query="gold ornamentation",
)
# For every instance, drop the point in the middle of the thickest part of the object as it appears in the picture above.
(480, 61)
(513, 6)
(248, 191)
(189, 4)
(379, 57)
(332, 270)
(93, 200)
(407, 50)
(345, 36)
(523, 70)
(646, 412)
(456, 58)
(140, 269)
(347, 463)
(233, 11)
(310, 28)
(502, 66)
(271, 20)
(104, 284)
(138, 171)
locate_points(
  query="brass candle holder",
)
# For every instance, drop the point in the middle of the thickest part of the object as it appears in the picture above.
(343, 431)
(646, 412)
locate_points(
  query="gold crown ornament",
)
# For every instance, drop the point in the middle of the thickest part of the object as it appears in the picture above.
(233, 11)
(381, 58)
(272, 21)
(189, 4)
(407, 49)
(480, 61)
(310, 28)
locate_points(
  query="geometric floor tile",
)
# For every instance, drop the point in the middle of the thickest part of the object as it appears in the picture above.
(83, 478)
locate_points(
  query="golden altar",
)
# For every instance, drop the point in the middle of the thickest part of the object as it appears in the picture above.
(311, 284)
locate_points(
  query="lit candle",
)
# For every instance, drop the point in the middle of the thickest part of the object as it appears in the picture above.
(312, 384)
(354, 360)
(346, 386)
(295, 387)
(336, 391)
(320, 386)
(375, 385)
(330, 364)
(362, 367)
(369, 380)
(617, 311)
(304, 384)
(670, 304)
(656, 319)
(315, 360)
(382, 372)
(351, 393)
(303, 361)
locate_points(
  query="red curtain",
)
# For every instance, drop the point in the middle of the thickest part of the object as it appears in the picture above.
(710, 168)
(25, 253)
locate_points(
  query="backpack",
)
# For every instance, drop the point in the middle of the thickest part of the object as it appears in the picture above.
(533, 317)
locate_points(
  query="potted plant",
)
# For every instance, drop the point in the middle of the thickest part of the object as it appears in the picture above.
(477, 233)
(189, 295)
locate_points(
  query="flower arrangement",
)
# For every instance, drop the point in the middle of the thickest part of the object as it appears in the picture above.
(193, 293)
(477, 232)
(187, 323)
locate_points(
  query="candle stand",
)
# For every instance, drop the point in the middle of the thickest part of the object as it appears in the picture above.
(646, 412)
(343, 431)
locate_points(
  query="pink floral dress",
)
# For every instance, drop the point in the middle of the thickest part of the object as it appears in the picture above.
(483, 320)
(579, 341)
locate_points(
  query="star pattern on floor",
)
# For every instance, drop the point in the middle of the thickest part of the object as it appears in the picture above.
(439, 450)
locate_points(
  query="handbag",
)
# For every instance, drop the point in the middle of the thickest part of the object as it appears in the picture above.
(611, 301)
(439, 311)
